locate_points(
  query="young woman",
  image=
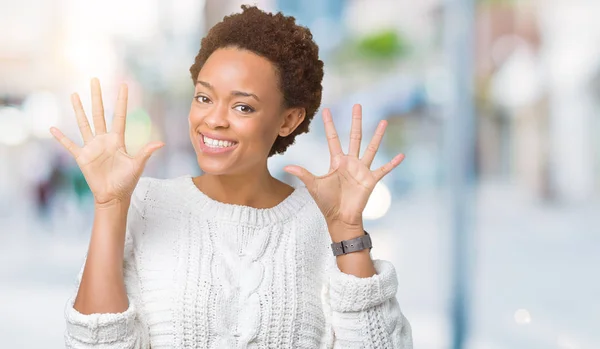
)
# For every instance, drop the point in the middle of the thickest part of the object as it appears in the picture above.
(234, 258)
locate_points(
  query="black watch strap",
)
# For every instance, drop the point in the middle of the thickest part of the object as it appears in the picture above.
(354, 245)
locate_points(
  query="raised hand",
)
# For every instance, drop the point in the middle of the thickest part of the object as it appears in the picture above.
(343, 192)
(110, 172)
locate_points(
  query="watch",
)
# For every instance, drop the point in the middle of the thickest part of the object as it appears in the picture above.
(353, 245)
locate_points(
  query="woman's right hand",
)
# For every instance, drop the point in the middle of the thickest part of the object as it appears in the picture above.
(110, 172)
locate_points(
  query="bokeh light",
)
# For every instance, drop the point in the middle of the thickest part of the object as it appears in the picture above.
(379, 202)
(522, 317)
(13, 128)
(138, 130)
(42, 111)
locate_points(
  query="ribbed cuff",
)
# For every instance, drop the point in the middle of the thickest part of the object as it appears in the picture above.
(100, 328)
(350, 293)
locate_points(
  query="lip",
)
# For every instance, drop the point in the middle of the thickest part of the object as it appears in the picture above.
(216, 137)
(208, 150)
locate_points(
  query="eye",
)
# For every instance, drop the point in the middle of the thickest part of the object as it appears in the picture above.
(246, 109)
(202, 99)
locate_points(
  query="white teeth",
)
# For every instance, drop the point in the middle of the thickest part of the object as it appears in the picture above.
(214, 143)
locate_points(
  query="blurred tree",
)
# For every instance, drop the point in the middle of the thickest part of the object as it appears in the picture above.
(387, 44)
(378, 47)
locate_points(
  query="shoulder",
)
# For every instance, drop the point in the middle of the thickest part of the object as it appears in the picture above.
(311, 223)
(312, 239)
(309, 214)
(154, 218)
(156, 203)
(153, 192)
(154, 186)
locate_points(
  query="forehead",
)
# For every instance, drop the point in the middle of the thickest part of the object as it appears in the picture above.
(233, 68)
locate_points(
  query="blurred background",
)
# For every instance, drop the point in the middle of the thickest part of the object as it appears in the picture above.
(492, 220)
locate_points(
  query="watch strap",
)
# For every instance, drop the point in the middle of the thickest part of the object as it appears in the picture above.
(353, 245)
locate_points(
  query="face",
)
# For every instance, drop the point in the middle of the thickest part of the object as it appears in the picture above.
(237, 112)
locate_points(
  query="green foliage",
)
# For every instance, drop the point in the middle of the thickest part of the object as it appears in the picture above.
(381, 45)
(379, 50)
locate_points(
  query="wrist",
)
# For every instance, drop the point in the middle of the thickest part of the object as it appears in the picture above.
(114, 205)
(340, 231)
(358, 264)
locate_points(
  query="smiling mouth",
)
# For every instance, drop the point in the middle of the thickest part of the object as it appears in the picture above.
(217, 144)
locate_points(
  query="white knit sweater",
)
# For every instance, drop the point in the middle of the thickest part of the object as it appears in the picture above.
(204, 274)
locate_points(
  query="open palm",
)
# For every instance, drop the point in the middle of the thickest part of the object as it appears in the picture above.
(344, 191)
(110, 172)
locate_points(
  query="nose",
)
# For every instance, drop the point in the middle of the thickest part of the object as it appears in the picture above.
(217, 118)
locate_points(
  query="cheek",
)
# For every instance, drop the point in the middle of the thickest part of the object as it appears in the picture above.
(194, 116)
(256, 133)
(194, 119)
(267, 135)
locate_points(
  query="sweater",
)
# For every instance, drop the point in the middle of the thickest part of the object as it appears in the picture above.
(200, 273)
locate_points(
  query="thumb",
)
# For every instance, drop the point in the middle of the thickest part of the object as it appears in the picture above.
(144, 154)
(303, 174)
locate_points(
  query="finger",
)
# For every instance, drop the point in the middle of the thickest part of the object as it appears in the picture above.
(82, 121)
(144, 154)
(303, 174)
(333, 140)
(387, 168)
(67, 143)
(355, 131)
(97, 107)
(119, 120)
(373, 146)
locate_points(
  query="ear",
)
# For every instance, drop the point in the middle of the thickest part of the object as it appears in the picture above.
(291, 119)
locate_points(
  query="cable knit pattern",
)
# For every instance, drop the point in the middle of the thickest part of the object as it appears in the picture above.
(204, 274)
(351, 293)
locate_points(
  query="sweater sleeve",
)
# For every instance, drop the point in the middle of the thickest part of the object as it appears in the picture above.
(126, 330)
(364, 312)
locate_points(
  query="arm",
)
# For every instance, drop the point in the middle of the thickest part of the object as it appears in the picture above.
(104, 310)
(363, 312)
(102, 313)
(102, 288)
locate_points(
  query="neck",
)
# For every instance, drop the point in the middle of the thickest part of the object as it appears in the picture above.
(256, 189)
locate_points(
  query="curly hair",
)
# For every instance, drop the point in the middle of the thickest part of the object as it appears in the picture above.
(287, 45)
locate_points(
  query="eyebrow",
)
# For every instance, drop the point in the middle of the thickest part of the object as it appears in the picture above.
(233, 93)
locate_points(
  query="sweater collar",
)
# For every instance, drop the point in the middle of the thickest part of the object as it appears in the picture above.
(247, 215)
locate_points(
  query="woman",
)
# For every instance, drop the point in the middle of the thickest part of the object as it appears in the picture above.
(234, 258)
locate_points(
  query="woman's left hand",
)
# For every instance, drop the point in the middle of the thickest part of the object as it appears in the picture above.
(343, 192)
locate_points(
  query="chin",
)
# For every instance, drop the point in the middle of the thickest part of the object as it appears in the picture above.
(212, 167)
